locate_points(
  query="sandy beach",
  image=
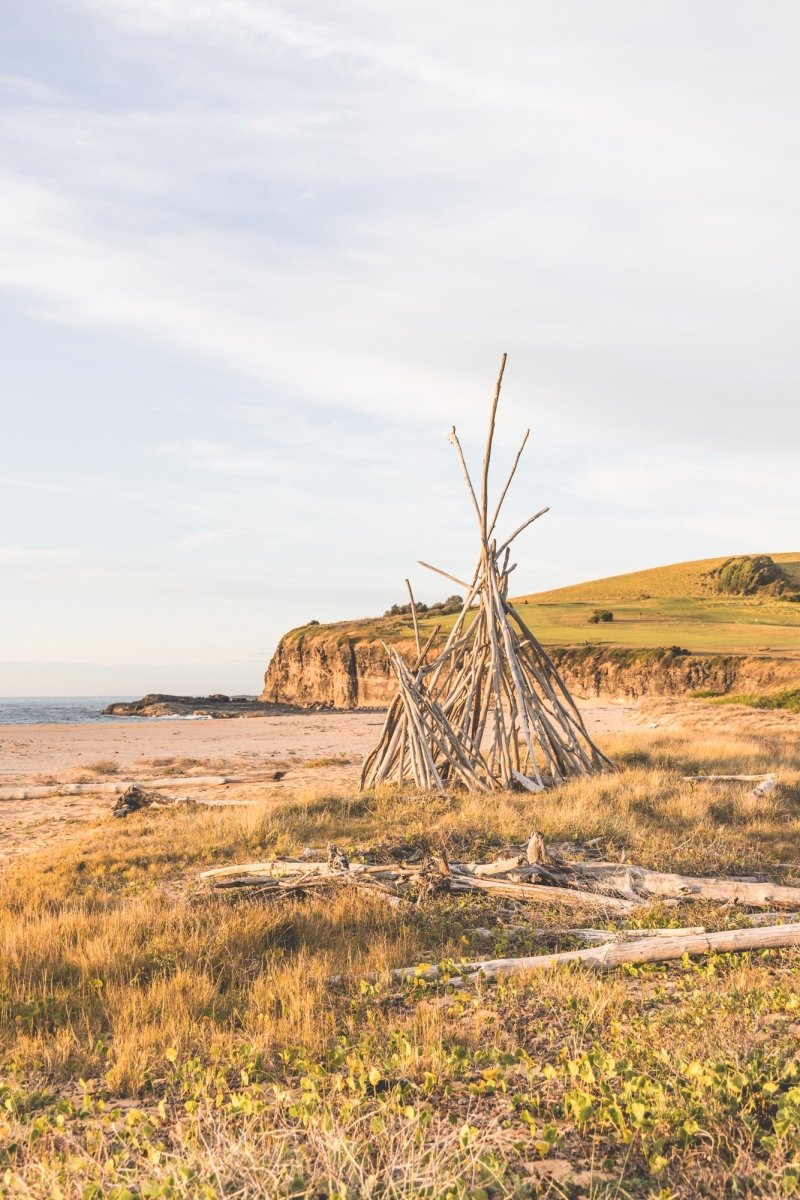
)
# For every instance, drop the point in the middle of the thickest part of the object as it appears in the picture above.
(312, 752)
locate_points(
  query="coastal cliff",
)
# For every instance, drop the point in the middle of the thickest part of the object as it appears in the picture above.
(322, 665)
(328, 665)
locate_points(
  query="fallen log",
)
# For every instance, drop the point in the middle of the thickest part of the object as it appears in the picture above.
(277, 867)
(613, 887)
(726, 778)
(613, 954)
(119, 786)
(571, 897)
(648, 884)
(601, 936)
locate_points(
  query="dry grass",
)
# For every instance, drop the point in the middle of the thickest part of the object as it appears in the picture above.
(105, 766)
(166, 1042)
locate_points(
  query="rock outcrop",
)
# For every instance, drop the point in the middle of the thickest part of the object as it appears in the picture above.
(326, 665)
(158, 704)
(319, 665)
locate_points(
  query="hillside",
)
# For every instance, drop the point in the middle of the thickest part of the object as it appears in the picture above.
(687, 580)
(671, 605)
(671, 632)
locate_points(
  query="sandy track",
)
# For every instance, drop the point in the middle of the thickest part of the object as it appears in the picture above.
(302, 745)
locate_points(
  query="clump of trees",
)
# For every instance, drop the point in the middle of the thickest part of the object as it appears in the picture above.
(453, 604)
(601, 615)
(752, 575)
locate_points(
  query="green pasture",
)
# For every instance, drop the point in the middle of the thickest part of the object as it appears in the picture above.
(700, 625)
(665, 606)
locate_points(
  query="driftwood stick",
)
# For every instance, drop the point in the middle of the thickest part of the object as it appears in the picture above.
(424, 651)
(453, 438)
(414, 618)
(504, 492)
(445, 574)
(614, 954)
(523, 526)
(487, 454)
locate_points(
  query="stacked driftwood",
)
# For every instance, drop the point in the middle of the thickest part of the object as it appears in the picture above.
(535, 874)
(490, 711)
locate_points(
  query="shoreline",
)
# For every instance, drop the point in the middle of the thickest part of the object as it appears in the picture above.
(252, 760)
(303, 753)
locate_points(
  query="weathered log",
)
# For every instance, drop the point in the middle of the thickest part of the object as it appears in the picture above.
(649, 884)
(726, 778)
(614, 954)
(118, 786)
(570, 897)
(276, 867)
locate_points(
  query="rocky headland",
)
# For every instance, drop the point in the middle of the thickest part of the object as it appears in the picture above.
(341, 667)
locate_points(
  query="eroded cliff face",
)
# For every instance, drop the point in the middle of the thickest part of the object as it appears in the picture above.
(323, 666)
(341, 670)
(616, 672)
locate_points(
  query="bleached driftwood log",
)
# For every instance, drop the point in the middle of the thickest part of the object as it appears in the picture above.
(613, 887)
(617, 878)
(726, 778)
(614, 954)
(544, 893)
(116, 787)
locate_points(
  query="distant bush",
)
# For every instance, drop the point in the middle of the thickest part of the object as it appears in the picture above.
(601, 615)
(452, 604)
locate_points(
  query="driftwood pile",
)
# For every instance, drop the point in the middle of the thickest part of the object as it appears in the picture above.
(531, 874)
(490, 711)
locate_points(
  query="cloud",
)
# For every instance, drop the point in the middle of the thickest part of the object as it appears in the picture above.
(299, 238)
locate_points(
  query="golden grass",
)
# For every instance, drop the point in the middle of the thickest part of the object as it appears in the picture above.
(675, 581)
(166, 1041)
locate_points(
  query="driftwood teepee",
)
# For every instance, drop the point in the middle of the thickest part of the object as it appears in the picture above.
(490, 711)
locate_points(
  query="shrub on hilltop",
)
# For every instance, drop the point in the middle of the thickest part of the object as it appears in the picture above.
(751, 575)
(452, 604)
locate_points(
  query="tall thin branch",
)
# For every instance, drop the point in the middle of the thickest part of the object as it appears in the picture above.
(453, 438)
(487, 454)
(414, 617)
(504, 492)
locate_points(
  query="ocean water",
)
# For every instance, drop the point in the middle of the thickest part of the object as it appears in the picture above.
(57, 710)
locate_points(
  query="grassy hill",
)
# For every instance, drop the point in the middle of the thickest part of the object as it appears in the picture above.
(666, 606)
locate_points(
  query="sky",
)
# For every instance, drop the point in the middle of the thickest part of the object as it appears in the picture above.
(256, 259)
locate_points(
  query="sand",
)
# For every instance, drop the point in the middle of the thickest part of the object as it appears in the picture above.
(317, 751)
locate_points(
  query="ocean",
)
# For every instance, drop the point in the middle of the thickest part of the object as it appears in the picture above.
(57, 710)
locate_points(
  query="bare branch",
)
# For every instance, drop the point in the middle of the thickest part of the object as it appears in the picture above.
(490, 530)
(487, 454)
(524, 525)
(453, 438)
(414, 616)
(446, 574)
